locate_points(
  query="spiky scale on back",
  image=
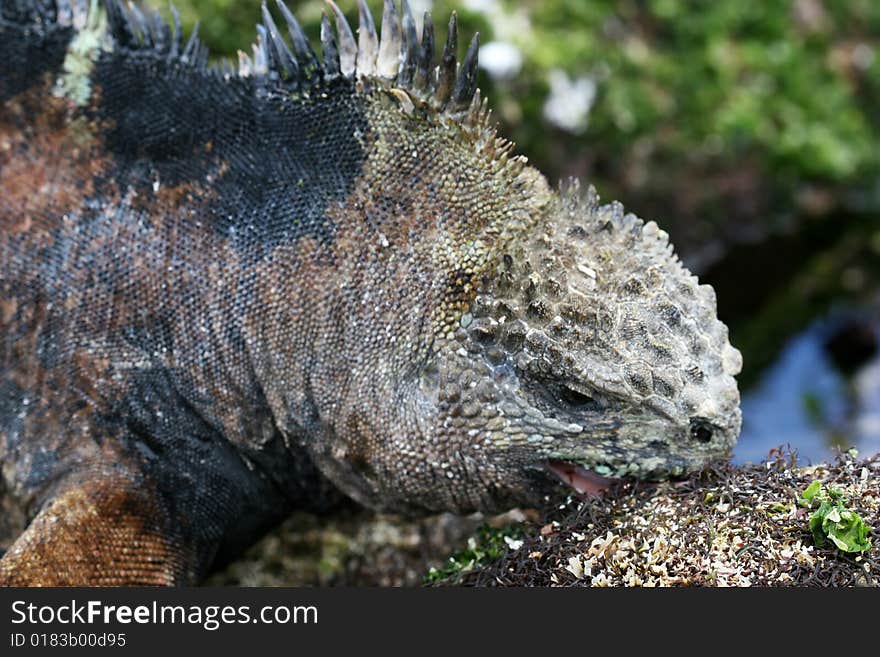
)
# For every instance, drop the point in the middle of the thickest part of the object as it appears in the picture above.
(240, 282)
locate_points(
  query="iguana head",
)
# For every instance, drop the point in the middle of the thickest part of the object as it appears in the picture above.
(589, 353)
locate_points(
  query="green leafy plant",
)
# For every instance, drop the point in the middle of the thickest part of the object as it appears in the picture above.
(832, 521)
(487, 546)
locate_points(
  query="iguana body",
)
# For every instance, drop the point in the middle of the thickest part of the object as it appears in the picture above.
(229, 292)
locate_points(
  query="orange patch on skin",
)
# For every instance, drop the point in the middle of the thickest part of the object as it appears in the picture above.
(164, 199)
(101, 532)
(49, 159)
(8, 308)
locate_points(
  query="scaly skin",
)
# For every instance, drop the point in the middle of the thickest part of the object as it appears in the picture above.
(228, 293)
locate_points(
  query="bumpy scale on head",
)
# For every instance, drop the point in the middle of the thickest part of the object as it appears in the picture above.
(598, 351)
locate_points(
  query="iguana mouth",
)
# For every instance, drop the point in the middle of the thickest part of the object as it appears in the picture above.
(584, 481)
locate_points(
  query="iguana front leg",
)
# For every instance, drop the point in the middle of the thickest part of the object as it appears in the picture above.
(100, 531)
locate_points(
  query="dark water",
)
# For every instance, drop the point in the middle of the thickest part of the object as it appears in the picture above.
(814, 397)
(803, 306)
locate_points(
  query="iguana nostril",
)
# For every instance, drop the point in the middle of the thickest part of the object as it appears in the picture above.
(701, 430)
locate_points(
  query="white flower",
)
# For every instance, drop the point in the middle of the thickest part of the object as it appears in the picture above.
(501, 59)
(569, 103)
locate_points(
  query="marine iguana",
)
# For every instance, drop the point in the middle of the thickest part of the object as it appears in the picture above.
(229, 290)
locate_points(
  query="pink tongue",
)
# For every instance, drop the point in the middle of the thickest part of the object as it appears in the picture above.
(579, 478)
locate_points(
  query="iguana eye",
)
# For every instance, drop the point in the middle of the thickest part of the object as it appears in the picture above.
(572, 398)
(575, 398)
(553, 397)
